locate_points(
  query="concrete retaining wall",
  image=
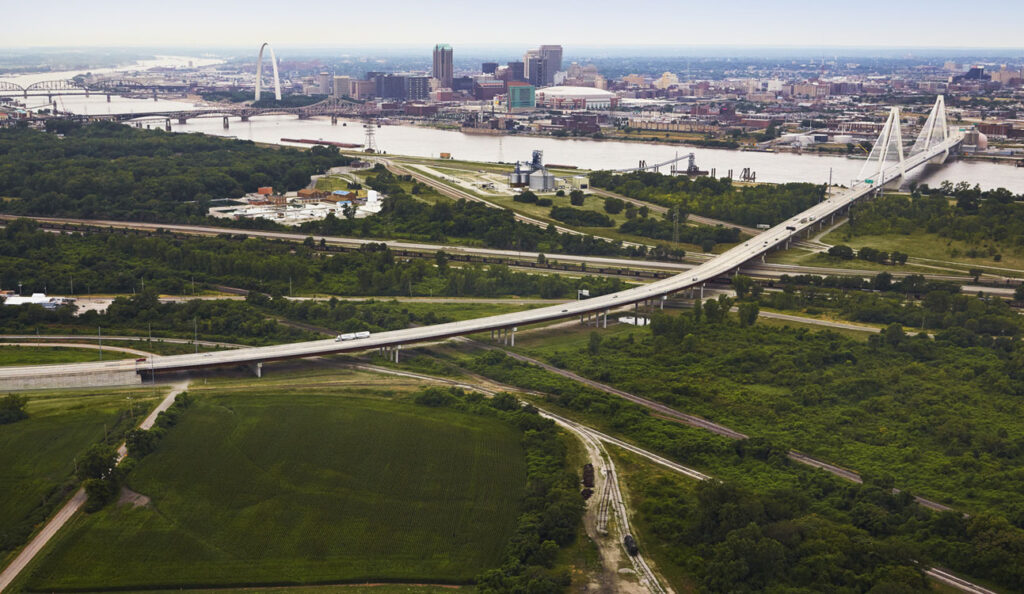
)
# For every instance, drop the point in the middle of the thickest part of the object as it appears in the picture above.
(70, 380)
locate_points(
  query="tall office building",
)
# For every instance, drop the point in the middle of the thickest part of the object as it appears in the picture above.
(443, 69)
(551, 55)
(540, 65)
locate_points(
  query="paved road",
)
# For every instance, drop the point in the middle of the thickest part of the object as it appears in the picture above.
(55, 523)
(228, 345)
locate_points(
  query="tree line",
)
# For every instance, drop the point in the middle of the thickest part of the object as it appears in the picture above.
(717, 198)
(108, 170)
(123, 262)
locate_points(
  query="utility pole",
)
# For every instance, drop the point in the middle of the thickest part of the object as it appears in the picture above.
(195, 330)
(99, 333)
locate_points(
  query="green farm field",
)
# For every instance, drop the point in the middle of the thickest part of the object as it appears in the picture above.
(37, 454)
(293, 486)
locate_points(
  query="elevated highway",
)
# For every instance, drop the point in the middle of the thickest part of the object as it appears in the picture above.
(883, 172)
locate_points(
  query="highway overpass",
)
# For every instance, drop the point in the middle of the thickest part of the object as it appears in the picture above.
(882, 169)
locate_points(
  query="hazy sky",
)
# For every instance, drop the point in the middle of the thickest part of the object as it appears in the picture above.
(801, 23)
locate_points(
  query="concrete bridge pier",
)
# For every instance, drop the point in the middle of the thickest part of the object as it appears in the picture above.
(604, 319)
(245, 118)
(334, 120)
(108, 97)
(167, 124)
(182, 120)
(226, 125)
(303, 116)
(257, 368)
(154, 95)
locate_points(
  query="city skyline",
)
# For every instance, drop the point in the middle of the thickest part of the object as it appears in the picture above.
(783, 24)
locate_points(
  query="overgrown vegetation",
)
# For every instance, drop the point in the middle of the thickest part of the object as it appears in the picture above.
(718, 198)
(920, 425)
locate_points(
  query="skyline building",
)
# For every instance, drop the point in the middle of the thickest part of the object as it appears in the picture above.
(541, 64)
(443, 67)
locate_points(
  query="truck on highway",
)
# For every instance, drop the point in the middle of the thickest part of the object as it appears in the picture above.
(352, 336)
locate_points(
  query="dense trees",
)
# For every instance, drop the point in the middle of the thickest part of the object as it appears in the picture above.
(107, 170)
(666, 230)
(960, 319)
(718, 198)
(581, 217)
(124, 263)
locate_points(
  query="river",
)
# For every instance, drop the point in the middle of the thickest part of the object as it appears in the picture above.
(591, 154)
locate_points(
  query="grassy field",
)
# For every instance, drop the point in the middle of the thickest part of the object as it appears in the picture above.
(37, 455)
(294, 486)
(930, 245)
(32, 355)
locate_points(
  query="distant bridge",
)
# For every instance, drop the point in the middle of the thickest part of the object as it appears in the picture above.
(332, 106)
(111, 86)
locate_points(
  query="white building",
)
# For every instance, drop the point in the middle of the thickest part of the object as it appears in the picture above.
(39, 299)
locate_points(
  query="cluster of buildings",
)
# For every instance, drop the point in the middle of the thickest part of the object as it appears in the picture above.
(308, 204)
(41, 299)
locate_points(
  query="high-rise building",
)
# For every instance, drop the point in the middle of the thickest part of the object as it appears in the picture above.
(489, 67)
(342, 86)
(326, 83)
(540, 65)
(552, 57)
(403, 87)
(516, 71)
(443, 69)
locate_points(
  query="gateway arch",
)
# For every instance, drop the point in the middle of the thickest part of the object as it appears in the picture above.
(259, 72)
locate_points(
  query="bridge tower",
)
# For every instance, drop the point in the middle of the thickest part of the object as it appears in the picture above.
(888, 151)
(935, 131)
(259, 72)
